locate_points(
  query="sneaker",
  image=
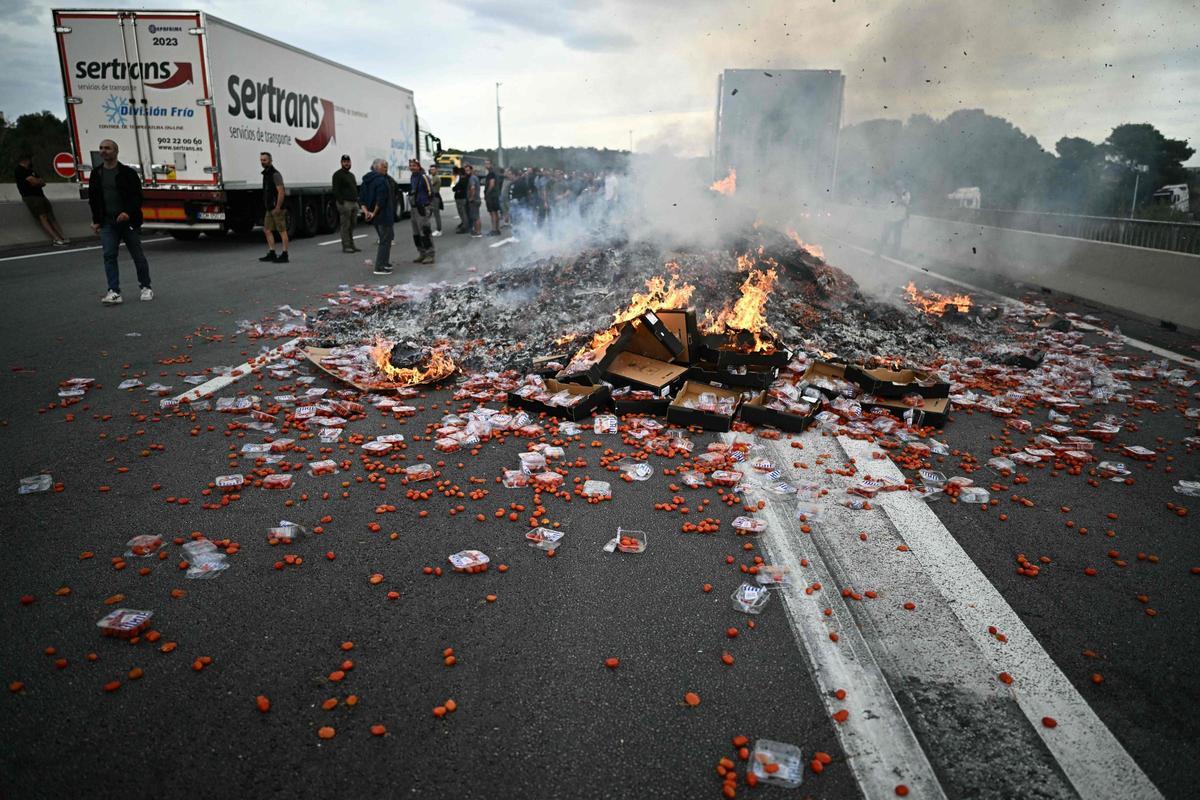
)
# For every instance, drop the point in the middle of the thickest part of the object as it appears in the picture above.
(476, 235)
(428, 259)
(147, 293)
(270, 256)
(60, 243)
(493, 233)
(112, 298)
(436, 233)
(419, 259)
(355, 249)
(383, 270)
(283, 259)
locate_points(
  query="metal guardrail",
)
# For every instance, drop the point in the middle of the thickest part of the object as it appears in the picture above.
(1179, 237)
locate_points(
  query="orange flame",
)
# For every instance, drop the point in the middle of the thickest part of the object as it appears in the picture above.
(748, 314)
(936, 303)
(727, 185)
(813, 250)
(439, 366)
(660, 294)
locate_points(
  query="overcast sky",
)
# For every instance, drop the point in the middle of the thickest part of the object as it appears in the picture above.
(586, 73)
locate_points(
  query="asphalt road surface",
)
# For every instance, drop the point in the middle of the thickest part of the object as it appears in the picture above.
(538, 713)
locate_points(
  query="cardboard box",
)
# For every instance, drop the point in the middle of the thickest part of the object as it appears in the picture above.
(656, 407)
(650, 324)
(935, 412)
(641, 372)
(713, 348)
(594, 397)
(711, 421)
(754, 377)
(883, 382)
(756, 413)
(824, 369)
(595, 373)
(681, 322)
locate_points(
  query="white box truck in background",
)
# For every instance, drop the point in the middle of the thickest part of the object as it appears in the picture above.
(191, 100)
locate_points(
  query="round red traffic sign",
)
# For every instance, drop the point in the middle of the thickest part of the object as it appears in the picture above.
(64, 165)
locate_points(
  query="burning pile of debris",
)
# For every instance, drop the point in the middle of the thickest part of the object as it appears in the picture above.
(681, 333)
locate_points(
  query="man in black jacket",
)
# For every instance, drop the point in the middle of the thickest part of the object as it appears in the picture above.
(115, 197)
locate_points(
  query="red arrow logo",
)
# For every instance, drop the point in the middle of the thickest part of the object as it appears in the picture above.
(324, 135)
(183, 74)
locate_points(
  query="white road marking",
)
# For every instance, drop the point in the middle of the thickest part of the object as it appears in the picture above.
(336, 241)
(221, 381)
(74, 250)
(881, 749)
(1150, 348)
(1090, 756)
(502, 242)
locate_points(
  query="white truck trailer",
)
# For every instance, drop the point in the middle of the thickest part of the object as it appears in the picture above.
(191, 100)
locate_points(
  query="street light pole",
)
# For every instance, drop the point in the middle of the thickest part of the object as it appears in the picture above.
(1137, 176)
(499, 137)
(631, 142)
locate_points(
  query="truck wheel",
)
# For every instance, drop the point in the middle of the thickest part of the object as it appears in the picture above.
(329, 216)
(185, 236)
(310, 217)
(401, 207)
(291, 215)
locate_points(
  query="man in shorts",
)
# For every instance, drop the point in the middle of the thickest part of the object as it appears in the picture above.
(30, 184)
(275, 220)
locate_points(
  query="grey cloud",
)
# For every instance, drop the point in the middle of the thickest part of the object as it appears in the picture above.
(577, 26)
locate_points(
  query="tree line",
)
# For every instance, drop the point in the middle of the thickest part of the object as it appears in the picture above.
(972, 148)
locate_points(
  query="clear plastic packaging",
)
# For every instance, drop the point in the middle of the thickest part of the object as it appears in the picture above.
(777, 763)
(544, 538)
(143, 545)
(419, 472)
(600, 489)
(325, 467)
(605, 423)
(932, 478)
(532, 462)
(1002, 465)
(975, 495)
(569, 429)
(279, 481)
(744, 525)
(726, 477)
(548, 480)
(635, 469)
(628, 541)
(469, 561)
(284, 533)
(773, 575)
(692, 478)
(227, 483)
(376, 448)
(1187, 488)
(35, 483)
(124, 623)
(750, 599)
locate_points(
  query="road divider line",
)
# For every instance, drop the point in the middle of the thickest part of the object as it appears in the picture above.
(75, 250)
(221, 381)
(1009, 301)
(336, 241)
(881, 749)
(1089, 755)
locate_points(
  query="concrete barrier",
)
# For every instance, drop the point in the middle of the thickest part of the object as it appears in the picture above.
(19, 228)
(1157, 284)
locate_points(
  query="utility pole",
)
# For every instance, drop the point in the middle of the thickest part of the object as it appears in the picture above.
(499, 137)
(1137, 176)
(631, 142)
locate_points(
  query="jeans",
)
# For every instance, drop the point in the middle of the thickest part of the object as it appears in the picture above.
(461, 204)
(111, 236)
(386, 232)
(348, 211)
(437, 215)
(420, 219)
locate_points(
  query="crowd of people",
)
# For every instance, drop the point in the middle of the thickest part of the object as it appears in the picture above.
(528, 201)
